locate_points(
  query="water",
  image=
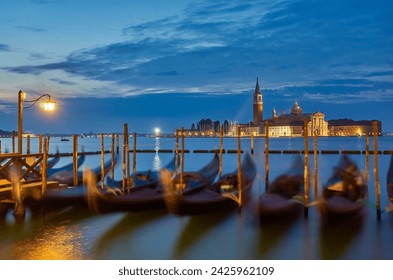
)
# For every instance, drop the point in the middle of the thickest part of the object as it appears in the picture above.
(77, 234)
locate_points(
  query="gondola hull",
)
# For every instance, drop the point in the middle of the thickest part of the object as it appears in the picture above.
(344, 194)
(273, 207)
(212, 199)
(280, 203)
(150, 197)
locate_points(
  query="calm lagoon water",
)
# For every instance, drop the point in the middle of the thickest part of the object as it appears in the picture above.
(77, 234)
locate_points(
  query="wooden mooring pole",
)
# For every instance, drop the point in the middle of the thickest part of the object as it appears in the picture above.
(252, 143)
(221, 145)
(239, 169)
(113, 157)
(117, 143)
(376, 171)
(102, 161)
(134, 155)
(182, 160)
(40, 149)
(75, 157)
(177, 153)
(367, 162)
(13, 142)
(44, 169)
(306, 183)
(266, 156)
(315, 166)
(28, 144)
(124, 158)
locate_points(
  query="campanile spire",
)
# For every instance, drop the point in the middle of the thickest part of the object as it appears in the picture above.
(257, 104)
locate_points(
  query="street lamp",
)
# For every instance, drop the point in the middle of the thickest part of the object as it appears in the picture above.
(49, 105)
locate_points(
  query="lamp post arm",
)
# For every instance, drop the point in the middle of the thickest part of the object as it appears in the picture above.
(34, 101)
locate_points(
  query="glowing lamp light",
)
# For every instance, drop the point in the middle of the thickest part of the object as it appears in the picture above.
(157, 131)
(49, 105)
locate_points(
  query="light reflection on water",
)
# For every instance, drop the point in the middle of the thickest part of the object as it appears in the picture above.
(79, 234)
(60, 242)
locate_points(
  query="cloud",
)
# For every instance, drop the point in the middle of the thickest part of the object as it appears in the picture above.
(4, 48)
(29, 28)
(314, 48)
(63, 82)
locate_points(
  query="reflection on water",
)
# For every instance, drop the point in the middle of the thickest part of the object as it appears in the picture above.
(336, 239)
(60, 242)
(195, 229)
(77, 234)
(157, 164)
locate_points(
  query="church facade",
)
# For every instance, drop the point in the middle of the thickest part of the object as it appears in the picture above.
(284, 125)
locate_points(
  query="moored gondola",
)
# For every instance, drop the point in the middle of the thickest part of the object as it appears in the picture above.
(53, 173)
(146, 197)
(282, 199)
(63, 196)
(344, 193)
(142, 178)
(221, 196)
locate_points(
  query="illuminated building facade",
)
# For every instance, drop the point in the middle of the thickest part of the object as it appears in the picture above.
(348, 127)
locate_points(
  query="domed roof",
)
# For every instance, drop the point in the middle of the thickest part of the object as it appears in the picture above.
(296, 110)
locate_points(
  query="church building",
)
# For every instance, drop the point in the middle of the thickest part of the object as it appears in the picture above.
(284, 125)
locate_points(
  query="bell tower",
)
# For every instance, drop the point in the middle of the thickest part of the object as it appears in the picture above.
(257, 105)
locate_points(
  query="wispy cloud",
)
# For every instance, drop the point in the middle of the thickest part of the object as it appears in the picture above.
(321, 50)
(63, 82)
(29, 28)
(4, 48)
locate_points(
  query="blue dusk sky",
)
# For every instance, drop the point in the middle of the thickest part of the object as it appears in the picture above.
(167, 64)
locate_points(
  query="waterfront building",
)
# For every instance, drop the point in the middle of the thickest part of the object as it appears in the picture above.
(280, 131)
(285, 124)
(348, 127)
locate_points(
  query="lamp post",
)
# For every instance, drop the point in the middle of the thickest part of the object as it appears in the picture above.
(49, 105)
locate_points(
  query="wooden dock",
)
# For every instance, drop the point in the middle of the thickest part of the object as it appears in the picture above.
(19, 172)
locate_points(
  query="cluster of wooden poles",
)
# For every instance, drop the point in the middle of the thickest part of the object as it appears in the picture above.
(126, 184)
(126, 168)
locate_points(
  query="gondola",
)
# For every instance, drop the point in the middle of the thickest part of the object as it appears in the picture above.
(344, 193)
(66, 176)
(281, 201)
(389, 180)
(53, 173)
(141, 178)
(221, 196)
(63, 196)
(146, 197)
(52, 162)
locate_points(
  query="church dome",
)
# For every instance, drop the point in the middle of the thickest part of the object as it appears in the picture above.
(296, 110)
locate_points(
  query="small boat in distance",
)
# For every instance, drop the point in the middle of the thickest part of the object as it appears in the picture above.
(64, 139)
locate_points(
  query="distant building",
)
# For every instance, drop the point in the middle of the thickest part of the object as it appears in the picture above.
(284, 125)
(289, 124)
(348, 127)
(280, 131)
(257, 105)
